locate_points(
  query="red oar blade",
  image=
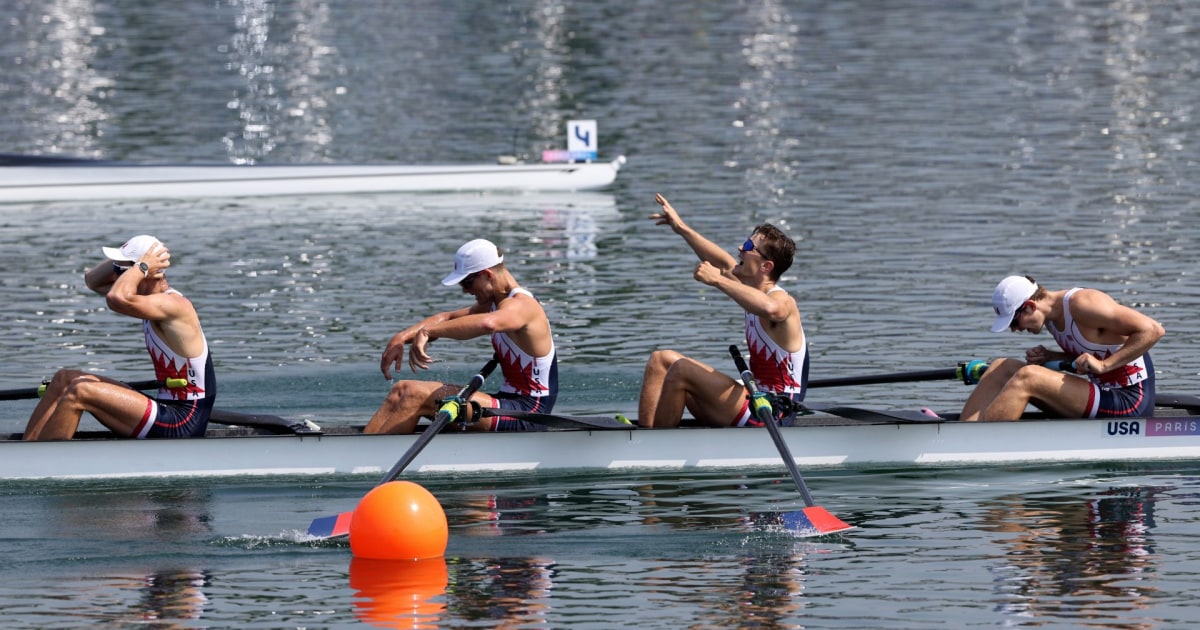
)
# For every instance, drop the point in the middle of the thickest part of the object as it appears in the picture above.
(331, 526)
(814, 521)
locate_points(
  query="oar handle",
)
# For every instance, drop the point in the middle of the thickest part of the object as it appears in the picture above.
(762, 410)
(1061, 366)
(446, 414)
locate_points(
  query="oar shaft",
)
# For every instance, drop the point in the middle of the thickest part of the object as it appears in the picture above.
(969, 372)
(764, 415)
(440, 421)
(26, 393)
(901, 377)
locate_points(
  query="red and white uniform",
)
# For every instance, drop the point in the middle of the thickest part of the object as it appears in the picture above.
(177, 411)
(775, 370)
(525, 374)
(1072, 342)
(169, 364)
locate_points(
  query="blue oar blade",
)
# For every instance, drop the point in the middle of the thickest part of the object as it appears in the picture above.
(331, 526)
(813, 521)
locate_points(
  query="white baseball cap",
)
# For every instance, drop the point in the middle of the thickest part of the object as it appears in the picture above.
(472, 257)
(132, 250)
(1009, 295)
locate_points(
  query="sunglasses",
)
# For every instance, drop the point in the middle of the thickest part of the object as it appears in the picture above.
(469, 280)
(1013, 325)
(748, 246)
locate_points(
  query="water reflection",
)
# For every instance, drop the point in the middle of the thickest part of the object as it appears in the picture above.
(767, 122)
(399, 593)
(168, 594)
(63, 90)
(1077, 559)
(508, 592)
(282, 61)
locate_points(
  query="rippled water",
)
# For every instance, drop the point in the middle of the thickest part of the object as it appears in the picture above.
(917, 152)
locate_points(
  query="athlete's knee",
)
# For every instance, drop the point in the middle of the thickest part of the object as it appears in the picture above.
(680, 374)
(662, 360)
(404, 391)
(77, 391)
(1025, 378)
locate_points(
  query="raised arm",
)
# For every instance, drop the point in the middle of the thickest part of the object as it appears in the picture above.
(705, 249)
(101, 277)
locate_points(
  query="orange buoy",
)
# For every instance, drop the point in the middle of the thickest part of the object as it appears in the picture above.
(398, 520)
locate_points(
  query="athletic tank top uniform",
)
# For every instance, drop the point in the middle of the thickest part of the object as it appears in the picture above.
(178, 411)
(530, 383)
(775, 369)
(1135, 379)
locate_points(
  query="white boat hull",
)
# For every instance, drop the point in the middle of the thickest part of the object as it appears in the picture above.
(76, 182)
(833, 445)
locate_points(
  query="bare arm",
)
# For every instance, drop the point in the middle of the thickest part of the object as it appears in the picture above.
(393, 354)
(101, 277)
(775, 307)
(521, 317)
(123, 295)
(705, 249)
(1103, 320)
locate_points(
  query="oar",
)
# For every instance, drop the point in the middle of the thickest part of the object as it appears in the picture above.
(339, 525)
(968, 372)
(1177, 401)
(562, 422)
(816, 521)
(26, 393)
(265, 422)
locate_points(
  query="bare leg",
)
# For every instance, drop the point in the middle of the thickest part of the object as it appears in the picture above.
(406, 403)
(994, 379)
(652, 383)
(1050, 390)
(712, 397)
(71, 393)
(45, 407)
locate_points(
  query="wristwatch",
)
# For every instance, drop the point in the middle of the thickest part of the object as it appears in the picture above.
(145, 269)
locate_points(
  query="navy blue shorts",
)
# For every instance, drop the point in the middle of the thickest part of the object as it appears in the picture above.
(1135, 401)
(502, 400)
(174, 418)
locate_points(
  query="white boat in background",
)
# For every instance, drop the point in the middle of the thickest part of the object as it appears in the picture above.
(847, 441)
(25, 180)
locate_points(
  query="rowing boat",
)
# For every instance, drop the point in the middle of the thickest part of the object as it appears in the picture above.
(23, 181)
(855, 438)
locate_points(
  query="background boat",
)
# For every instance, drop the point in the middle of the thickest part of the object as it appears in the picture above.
(53, 180)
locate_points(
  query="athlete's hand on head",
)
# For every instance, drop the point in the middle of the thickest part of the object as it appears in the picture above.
(158, 258)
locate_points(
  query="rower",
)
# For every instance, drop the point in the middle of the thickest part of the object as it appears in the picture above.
(133, 280)
(774, 334)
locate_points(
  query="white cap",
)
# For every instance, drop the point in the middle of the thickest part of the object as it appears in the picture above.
(132, 250)
(1009, 295)
(474, 256)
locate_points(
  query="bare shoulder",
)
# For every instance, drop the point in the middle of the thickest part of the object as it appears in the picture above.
(1092, 301)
